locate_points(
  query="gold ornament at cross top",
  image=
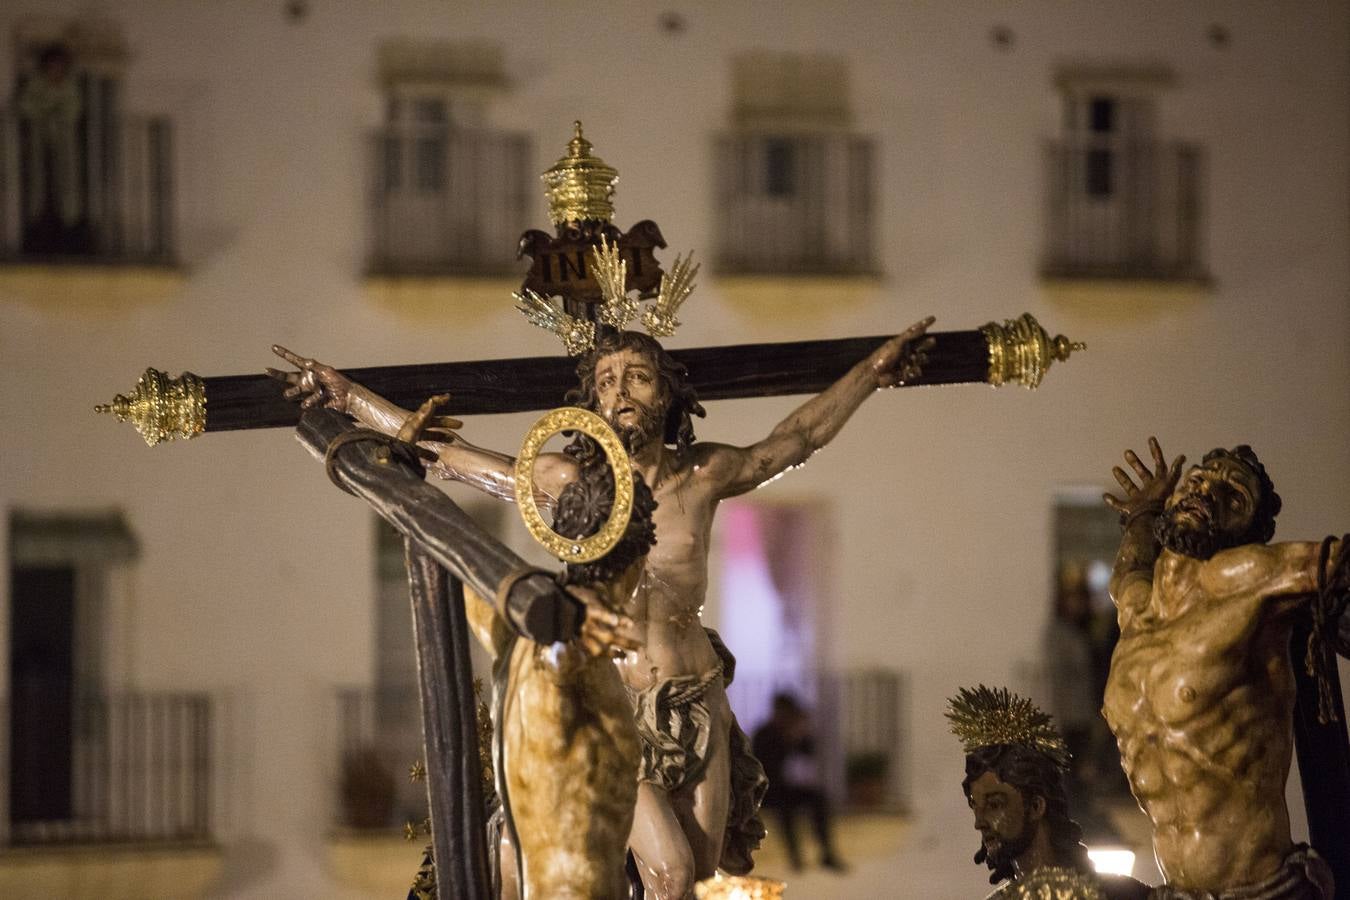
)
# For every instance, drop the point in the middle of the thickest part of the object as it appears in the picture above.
(162, 408)
(580, 186)
(575, 550)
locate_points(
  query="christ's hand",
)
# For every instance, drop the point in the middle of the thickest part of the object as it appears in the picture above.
(317, 384)
(902, 358)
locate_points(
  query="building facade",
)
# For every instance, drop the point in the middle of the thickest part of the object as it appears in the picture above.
(1169, 183)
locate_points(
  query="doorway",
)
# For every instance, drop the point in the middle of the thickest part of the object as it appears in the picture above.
(42, 693)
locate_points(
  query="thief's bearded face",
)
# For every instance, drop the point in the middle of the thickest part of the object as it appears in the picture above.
(1212, 508)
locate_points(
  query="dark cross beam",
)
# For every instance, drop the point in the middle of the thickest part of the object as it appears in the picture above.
(1323, 750)
(539, 383)
(1019, 351)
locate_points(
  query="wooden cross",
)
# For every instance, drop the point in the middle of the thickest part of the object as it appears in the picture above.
(1018, 351)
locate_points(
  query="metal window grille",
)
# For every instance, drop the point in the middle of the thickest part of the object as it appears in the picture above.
(1119, 209)
(140, 771)
(795, 204)
(125, 193)
(447, 200)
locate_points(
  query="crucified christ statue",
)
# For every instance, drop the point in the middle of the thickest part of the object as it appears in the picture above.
(697, 799)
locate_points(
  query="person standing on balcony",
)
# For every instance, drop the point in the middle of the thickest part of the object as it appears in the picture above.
(50, 107)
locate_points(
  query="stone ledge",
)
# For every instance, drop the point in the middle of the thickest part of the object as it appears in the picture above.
(88, 288)
(109, 871)
(1070, 289)
(442, 298)
(378, 863)
(796, 297)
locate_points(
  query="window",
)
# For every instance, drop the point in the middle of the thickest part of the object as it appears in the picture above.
(1122, 203)
(87, 180)
(1081, 633)
(381, 726)
(1102, 113)
(795, 187)
(1098, 172)
(779, 156)
(1101, 117)
(81, 745)
(451, 193)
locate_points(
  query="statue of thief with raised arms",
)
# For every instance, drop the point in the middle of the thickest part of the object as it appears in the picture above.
(1201, 691)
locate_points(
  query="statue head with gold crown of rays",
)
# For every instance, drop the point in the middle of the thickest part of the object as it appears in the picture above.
(983, 717)
(1016, 760)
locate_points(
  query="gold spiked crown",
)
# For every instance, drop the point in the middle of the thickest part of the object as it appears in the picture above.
(580, 186)
(986, 716)
(618, 308)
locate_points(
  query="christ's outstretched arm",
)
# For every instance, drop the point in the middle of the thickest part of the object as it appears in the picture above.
(492, 472)
(814, 424)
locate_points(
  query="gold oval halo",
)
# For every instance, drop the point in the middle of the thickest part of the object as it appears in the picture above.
(575, 550)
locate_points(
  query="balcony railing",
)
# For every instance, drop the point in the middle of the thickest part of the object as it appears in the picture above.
(104, 197)
(794, 204)
(448, 201)
(1124, 210)
(856, 718)
(136, 767)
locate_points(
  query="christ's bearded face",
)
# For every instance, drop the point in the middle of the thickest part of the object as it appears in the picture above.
(631, 398)
(1003, 818)
(1210, 509)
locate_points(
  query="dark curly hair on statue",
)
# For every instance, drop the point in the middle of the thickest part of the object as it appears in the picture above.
(1268, 504)
(1033, 774)
(674, 378)
(584, 505)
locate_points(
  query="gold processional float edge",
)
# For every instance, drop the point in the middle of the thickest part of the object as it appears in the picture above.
(163, 408)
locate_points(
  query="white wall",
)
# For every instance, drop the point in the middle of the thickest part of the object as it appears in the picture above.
(257, 577)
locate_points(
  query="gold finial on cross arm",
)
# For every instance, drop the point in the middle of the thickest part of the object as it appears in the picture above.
(162, 408)
(1021, 351)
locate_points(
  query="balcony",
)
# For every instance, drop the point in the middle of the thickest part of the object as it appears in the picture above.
(1124, 212)
(858, 717)
(448, 206)
(794, 223)
(797, 204)
(111, 798)
(859, 728)
(106, 199)
(88, 227)
(379, 738)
